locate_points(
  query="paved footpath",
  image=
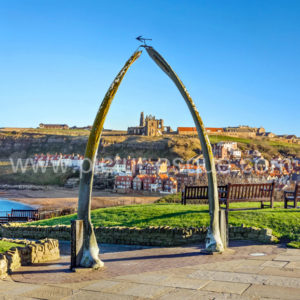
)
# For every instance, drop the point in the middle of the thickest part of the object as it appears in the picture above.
(246, 271)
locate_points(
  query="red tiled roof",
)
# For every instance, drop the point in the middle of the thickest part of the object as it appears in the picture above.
(187, 129)
(194, 129)
(163, 176)
(214, 129)
(123, 177)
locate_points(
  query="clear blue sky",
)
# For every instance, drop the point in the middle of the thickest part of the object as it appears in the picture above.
(240, 61)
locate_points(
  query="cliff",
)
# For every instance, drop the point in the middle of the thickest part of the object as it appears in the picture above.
(24, 143)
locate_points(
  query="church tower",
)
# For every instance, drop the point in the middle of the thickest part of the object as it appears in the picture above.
(142, 119)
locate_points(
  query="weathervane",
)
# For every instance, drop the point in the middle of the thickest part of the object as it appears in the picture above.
(143, 40)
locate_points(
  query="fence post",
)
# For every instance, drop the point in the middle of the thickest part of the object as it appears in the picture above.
(76, 242)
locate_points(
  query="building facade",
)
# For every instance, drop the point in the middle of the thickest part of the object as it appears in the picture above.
(149, 126)
(54, 126)
(193, 130)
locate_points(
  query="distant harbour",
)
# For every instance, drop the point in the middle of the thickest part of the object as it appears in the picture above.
(7, 205)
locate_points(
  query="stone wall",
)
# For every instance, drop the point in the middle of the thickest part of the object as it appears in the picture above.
(263, 235)
(30, 187)
(33, 252)
(16, 230)
(151, 236)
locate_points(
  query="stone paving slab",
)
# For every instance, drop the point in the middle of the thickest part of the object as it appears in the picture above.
(273, 292)
(248, 266)
(251, 262)
(50, 292)
(275, 264)
(247, 278)
(76, 285)
(240, 266)
(185, 283)
(101, 285)
(9, 297)
(179, 272)
(89, 295)
(291, 252)
(219, 266)
(151, 277)
(226, 287)
(206, 295)
(139, 290)
(11, 288)
(248, 269)
(282, 272)
(184, 294)
(295, 258)
(165, 278)
(293, 265)
(179, 294)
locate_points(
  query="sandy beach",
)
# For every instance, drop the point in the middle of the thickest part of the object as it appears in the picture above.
(57, 198)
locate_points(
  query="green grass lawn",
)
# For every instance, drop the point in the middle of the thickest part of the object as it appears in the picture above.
(284, 223)
(4, 246)
(219, 138)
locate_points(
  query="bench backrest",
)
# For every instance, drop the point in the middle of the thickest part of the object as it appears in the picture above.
(201, 192)
(234, 192)
(196, 192)
(250, 192)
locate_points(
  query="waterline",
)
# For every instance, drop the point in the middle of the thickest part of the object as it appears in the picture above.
(8, 205)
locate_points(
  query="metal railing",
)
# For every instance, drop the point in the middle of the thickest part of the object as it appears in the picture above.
(4, 213)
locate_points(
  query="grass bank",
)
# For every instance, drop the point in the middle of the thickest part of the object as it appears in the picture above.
(4, 246)
(284, 223)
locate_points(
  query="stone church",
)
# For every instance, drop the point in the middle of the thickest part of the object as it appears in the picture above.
(149, 126)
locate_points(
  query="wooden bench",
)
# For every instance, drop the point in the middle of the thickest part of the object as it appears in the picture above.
(292, 196)
(201, 193)
(253, 192)
(23, 215)
(256, 192)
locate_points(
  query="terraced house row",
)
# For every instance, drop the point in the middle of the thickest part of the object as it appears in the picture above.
(153, 183)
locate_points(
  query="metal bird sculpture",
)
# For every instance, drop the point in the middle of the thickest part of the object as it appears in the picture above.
(143, 40)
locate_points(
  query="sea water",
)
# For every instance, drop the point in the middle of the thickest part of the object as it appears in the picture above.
(7, 205)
